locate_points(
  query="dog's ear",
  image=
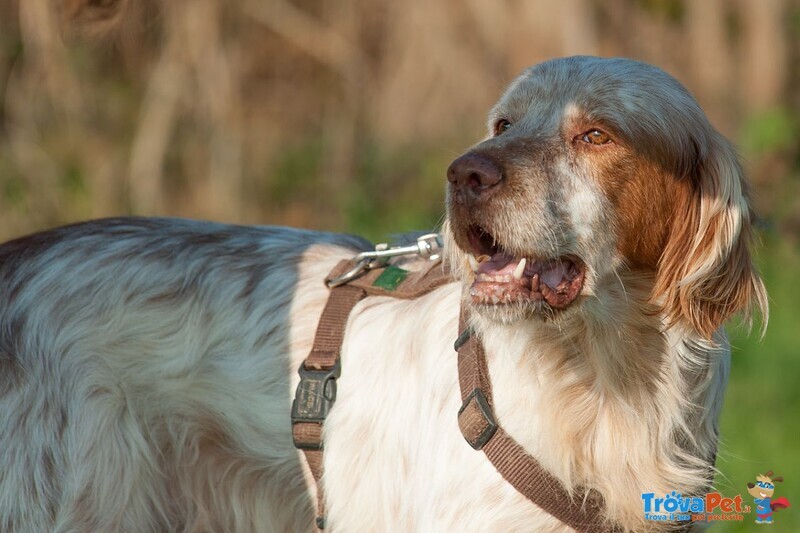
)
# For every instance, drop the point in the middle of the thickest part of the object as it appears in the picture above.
(706, 273)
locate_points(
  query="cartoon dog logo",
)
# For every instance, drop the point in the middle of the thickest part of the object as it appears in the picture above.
(762, 491)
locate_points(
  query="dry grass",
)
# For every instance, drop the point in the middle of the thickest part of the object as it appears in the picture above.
(324, 114)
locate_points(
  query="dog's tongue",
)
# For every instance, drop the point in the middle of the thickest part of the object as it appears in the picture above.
(499, 264)
(552, 274)
(502, 264)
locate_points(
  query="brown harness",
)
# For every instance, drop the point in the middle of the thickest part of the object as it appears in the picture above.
(316, 394)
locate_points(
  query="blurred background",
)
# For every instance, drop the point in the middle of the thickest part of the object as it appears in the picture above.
(344, 116)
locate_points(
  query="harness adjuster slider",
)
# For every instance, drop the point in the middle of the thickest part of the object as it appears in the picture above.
(314, 397)
(476, 419)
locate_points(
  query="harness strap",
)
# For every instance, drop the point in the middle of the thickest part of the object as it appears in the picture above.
(477, 422)
(316, 391)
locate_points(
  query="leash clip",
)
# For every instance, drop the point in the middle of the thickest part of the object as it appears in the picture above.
(428, 246)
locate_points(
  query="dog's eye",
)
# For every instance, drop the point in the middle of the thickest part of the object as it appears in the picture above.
(596, 137)
(500, 126)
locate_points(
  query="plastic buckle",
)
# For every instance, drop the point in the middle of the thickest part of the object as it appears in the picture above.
(314, 397)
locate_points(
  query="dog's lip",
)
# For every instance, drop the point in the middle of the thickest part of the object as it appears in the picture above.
(480, 241)
(501, 278)
(504, 279)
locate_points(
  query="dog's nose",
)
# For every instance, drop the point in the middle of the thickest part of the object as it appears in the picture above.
(474, 176)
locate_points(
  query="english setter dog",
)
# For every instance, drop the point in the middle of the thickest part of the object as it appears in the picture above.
(600, 235)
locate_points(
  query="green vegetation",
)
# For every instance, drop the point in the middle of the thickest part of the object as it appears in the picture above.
(760, 423)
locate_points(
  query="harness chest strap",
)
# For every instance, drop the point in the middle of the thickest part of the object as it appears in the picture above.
(317, 392)
(583, 512)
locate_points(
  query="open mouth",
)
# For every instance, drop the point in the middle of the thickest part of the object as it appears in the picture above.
(501, 278)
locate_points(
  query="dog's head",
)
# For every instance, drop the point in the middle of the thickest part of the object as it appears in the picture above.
(764, 487)
(593, 170)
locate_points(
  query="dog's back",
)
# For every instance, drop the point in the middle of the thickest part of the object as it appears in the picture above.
(144, 377)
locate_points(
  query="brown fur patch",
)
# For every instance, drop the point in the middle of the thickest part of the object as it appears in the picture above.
(706, 273)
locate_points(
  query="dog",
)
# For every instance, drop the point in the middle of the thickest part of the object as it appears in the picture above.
(599, 237)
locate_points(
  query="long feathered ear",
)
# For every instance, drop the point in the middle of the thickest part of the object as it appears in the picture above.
(706, 273)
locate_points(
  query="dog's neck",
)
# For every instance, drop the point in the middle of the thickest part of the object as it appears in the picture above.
(609, 397)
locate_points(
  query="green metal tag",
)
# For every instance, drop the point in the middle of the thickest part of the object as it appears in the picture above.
(390, 278)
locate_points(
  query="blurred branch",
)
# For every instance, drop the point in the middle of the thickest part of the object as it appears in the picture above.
(300, 111)
(765, 52)
(91, 17)
(219, 99)
(711, 60)
(45, 53)
(167, 82)
(42, 100)
(321, 42)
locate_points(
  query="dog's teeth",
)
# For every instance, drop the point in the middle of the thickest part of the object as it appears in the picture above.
(535, 282)
(482, 258)
(473, 263)
(520, 269)
(546, 290)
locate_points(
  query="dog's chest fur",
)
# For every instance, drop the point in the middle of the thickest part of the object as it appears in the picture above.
(395, 459)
